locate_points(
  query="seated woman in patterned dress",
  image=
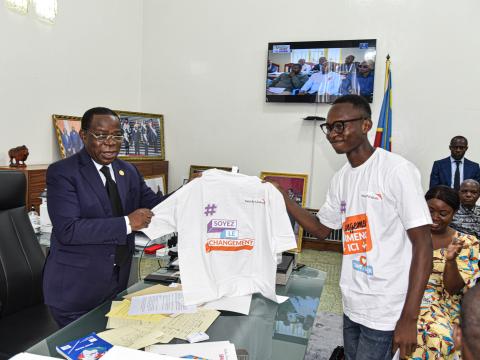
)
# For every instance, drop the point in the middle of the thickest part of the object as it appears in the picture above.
(455, 270)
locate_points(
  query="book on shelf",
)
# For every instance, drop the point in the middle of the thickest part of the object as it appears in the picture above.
(284, 269)
(88, 347)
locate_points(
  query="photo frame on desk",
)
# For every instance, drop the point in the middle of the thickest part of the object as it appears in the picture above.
(296, 187)
(67, 131)
(157, 183)
(143, 136)
(195, 169)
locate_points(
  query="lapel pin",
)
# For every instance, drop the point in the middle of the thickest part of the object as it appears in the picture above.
(121, 172)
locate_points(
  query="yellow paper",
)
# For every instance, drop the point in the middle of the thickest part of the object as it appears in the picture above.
(134, 337)
(121, 311)
(156, 289)
(185, 324)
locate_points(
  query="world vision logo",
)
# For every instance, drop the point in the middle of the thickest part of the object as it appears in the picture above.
(356, 235)
(229, 244)
(373, 196)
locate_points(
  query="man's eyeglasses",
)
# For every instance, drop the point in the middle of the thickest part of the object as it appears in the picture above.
(103, 138)
(337, 126)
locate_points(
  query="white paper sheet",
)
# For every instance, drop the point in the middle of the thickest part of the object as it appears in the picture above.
(281, 299)
(164, 303)
(123, 353)
(238, 304)
(215, 350)
(27, 356)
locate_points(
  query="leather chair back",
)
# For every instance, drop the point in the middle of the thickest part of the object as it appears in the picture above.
(21, 257)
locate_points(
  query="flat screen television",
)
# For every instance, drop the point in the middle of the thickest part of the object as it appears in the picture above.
(320, 71)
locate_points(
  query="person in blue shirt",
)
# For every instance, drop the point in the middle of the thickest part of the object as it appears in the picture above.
(365, 77)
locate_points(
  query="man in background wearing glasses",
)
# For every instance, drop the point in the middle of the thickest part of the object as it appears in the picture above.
(377, 200)
(95, 202)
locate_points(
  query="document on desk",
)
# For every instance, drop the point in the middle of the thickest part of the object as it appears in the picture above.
(121, 311)
(238, 304)
(215, 350)
(155, 289)
(116, 322)
(185, 324)
(134, 336)
(164, 303)
(123, 353)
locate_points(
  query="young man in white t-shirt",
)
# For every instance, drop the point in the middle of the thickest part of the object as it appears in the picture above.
(377, 199)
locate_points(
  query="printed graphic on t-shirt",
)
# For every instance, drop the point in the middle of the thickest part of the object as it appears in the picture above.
(362, 266)
(356, 235)
(227, 237)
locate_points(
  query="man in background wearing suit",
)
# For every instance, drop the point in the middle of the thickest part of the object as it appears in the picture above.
(453, 170)
(95, 202)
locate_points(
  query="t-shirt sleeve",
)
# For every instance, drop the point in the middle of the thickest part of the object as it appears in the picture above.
(164, 220)
(283, 238)
(404, 184)
(329, 214)
(467, 261)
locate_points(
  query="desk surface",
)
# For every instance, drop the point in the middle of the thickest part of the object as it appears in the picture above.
(270, 331)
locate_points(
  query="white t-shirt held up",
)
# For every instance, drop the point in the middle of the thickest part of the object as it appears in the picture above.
(230, 228)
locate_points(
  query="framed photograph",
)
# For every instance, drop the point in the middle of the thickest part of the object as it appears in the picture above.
(157, 183)
(296, 187)
(195, 169)
(143, 136)
(67, 129)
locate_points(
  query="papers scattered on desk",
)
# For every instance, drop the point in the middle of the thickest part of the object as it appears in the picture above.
(156, 289)
(238, 304)
(120, 310)
(134, 336)
(122, 353)
(215, 350)
(165, 303)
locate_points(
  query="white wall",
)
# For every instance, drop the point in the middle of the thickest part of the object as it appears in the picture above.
(202, 64)
(204, 68)
(90, 57)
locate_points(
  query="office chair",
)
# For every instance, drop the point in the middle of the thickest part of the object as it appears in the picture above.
(24, 318)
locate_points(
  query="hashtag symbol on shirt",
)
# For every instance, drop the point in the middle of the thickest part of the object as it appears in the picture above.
(210, 209)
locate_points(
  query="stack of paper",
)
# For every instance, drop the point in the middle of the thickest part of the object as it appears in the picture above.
(215, 350)
(145, 328)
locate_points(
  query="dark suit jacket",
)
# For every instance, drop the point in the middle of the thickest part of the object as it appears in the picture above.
(80, 266)
(442, 172)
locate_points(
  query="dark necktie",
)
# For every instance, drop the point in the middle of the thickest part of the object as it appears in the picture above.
(121, 252)
(456, 178)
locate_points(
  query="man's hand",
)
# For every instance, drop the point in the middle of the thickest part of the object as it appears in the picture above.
(140, 219)
(405, 337)
(277, 185)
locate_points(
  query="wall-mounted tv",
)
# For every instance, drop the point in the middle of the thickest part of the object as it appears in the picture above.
(320, 71)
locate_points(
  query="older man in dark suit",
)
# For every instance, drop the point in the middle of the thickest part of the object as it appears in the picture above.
(95, 202)
(453, 170)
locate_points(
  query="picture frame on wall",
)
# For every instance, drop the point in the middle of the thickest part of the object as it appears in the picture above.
(157, 183)
(143, 136)
(296, 187)
(67, 131)
(195, 169)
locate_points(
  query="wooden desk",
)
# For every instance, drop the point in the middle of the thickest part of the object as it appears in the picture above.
(36, 177)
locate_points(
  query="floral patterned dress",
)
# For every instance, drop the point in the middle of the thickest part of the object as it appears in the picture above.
(440, 310)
